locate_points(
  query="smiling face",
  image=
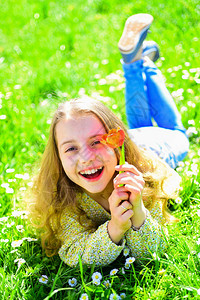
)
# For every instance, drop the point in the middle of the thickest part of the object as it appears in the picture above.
(86, 161)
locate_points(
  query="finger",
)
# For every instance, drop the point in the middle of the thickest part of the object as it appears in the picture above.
(127, 215)
(129, 174)
(135, 193)
(121, 214)
(124, 206)
(128, 167)
(117, 196)
(132, 189)
(134, 181)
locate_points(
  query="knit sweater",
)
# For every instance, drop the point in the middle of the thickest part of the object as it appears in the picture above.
(97, 247)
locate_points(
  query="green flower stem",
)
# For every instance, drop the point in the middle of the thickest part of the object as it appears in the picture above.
(122, 156)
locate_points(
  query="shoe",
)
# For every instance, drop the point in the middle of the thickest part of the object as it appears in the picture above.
(151, 49)
(135, 31)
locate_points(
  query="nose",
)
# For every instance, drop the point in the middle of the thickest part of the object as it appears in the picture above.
(86, 155)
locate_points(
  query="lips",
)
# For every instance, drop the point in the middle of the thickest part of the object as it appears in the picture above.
(92, 174)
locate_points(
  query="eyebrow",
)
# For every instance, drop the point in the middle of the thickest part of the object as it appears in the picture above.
(72, 141)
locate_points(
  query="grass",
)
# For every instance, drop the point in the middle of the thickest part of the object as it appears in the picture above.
(55, 50)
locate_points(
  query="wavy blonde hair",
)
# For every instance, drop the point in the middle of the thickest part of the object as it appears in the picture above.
(53, 191)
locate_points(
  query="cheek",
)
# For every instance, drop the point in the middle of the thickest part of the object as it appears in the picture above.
(111, 156)
(68, 165)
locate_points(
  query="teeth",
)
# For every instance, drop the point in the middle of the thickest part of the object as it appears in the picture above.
(90, 171)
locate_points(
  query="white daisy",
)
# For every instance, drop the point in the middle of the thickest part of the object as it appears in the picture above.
(19, 261)
(72, 282)
(123, 296)
(198, 241)
(96, 281)
(4, 219)
(9, 225)
(96, 276)
(20, 228)
(113, 272)
(130, 260)
(127, 266)
(19, 213)
(114, 297)
(106, 284)
(16, 243)
(29, 239)
(126, 251)
(84, 297)
(4, 240)
(178, 200)
(43, 279)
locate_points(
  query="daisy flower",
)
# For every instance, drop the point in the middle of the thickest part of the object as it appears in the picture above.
(29, 239)
(72, 282)
(96, 281)
(17, 243)
(4, 240)
(123, 296)
(113, 272)
(43, 279)
(198, 241)
(19, 261)
(127, 266)
(126, 251)
(130, 260)
(20, 228)
(96, 276)
(106, 284)
(4, 219)
(84, 297)
(114, 297)
(178, 200)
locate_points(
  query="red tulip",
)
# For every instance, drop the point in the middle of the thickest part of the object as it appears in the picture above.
(114, 138)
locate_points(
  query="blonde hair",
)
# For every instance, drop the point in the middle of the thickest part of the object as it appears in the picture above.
(53, 191)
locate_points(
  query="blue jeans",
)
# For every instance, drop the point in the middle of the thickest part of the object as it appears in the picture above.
(147, 98)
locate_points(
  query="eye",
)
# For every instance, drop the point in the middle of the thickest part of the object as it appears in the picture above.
(96, 142)
(70, 149)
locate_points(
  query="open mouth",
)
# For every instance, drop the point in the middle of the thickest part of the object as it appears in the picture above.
(92, 174)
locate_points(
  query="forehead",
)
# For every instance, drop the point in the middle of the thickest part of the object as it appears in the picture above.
(75, 127)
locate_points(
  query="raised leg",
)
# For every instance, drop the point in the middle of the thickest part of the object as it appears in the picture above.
(162, 106)
(137, 107)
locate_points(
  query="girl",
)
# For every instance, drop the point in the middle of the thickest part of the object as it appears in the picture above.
(84, 205)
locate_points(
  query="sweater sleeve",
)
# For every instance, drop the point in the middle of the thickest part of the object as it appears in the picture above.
(150, 238)
(95, 247)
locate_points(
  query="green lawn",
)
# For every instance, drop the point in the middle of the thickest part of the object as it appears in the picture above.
(52, 51)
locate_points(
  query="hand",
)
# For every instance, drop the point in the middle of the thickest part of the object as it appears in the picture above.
(133, 183)
(121, 213)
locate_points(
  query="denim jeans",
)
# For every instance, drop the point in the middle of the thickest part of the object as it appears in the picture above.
(147, 98)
